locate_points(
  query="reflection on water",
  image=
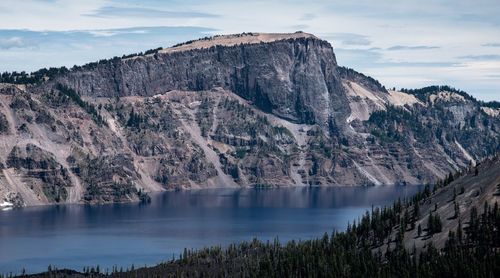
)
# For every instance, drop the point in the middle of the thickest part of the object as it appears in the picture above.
(74, 236)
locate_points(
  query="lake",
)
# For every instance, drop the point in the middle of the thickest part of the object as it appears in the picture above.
(75, 236)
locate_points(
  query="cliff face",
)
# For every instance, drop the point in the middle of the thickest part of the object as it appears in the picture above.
(241, 110)
(294, 78)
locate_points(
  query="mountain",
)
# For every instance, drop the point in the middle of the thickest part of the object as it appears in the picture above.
(451, 229)
(250, 109)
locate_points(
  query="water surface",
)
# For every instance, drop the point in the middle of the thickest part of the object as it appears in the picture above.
(75, 236)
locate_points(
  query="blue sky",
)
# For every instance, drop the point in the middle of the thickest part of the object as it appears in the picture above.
(401, 43)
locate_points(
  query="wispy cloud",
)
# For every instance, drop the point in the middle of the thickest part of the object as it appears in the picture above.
(362, 58)
(419, 64)
(480, 17)
(346, 39)
(122, 31)
(416, 47)
(492, 44)
(112, 11)
(13, 42)
(480, 57)
(300, 27)
(307, 16)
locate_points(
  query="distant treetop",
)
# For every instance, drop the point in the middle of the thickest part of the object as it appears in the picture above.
(424, 92)
(44, 74)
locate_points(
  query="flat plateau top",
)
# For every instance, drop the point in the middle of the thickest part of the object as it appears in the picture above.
(231, 40)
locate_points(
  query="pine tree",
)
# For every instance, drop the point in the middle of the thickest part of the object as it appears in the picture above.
(430, 224)
(416, 211)
(438, 226)
(457, 209)
(459, 231)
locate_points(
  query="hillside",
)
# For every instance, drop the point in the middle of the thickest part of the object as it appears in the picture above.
(384, 243)
(457, 201)
(230, 111)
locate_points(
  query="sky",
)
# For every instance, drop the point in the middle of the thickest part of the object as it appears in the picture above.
(403, 44)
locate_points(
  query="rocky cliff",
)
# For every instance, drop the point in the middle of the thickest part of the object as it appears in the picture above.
(293, 76)
(238, 110)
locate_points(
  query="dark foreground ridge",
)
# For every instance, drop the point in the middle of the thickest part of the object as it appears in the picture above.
(453, 230)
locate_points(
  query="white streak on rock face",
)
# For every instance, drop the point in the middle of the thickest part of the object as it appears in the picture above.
(446, 96)
(6, 204)
(12, 183)
(491, 111)
(397, 98)
(193, 129)
(359, 111)
(147, 182)
(299, 132)
(366, 174)
(354, 89)
(362, 101)
(466, 154)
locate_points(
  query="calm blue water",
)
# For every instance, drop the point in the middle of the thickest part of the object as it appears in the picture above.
(74, 236)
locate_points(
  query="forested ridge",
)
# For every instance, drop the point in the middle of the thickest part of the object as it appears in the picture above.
(44, 74)
(424, 92)
(370, 247)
